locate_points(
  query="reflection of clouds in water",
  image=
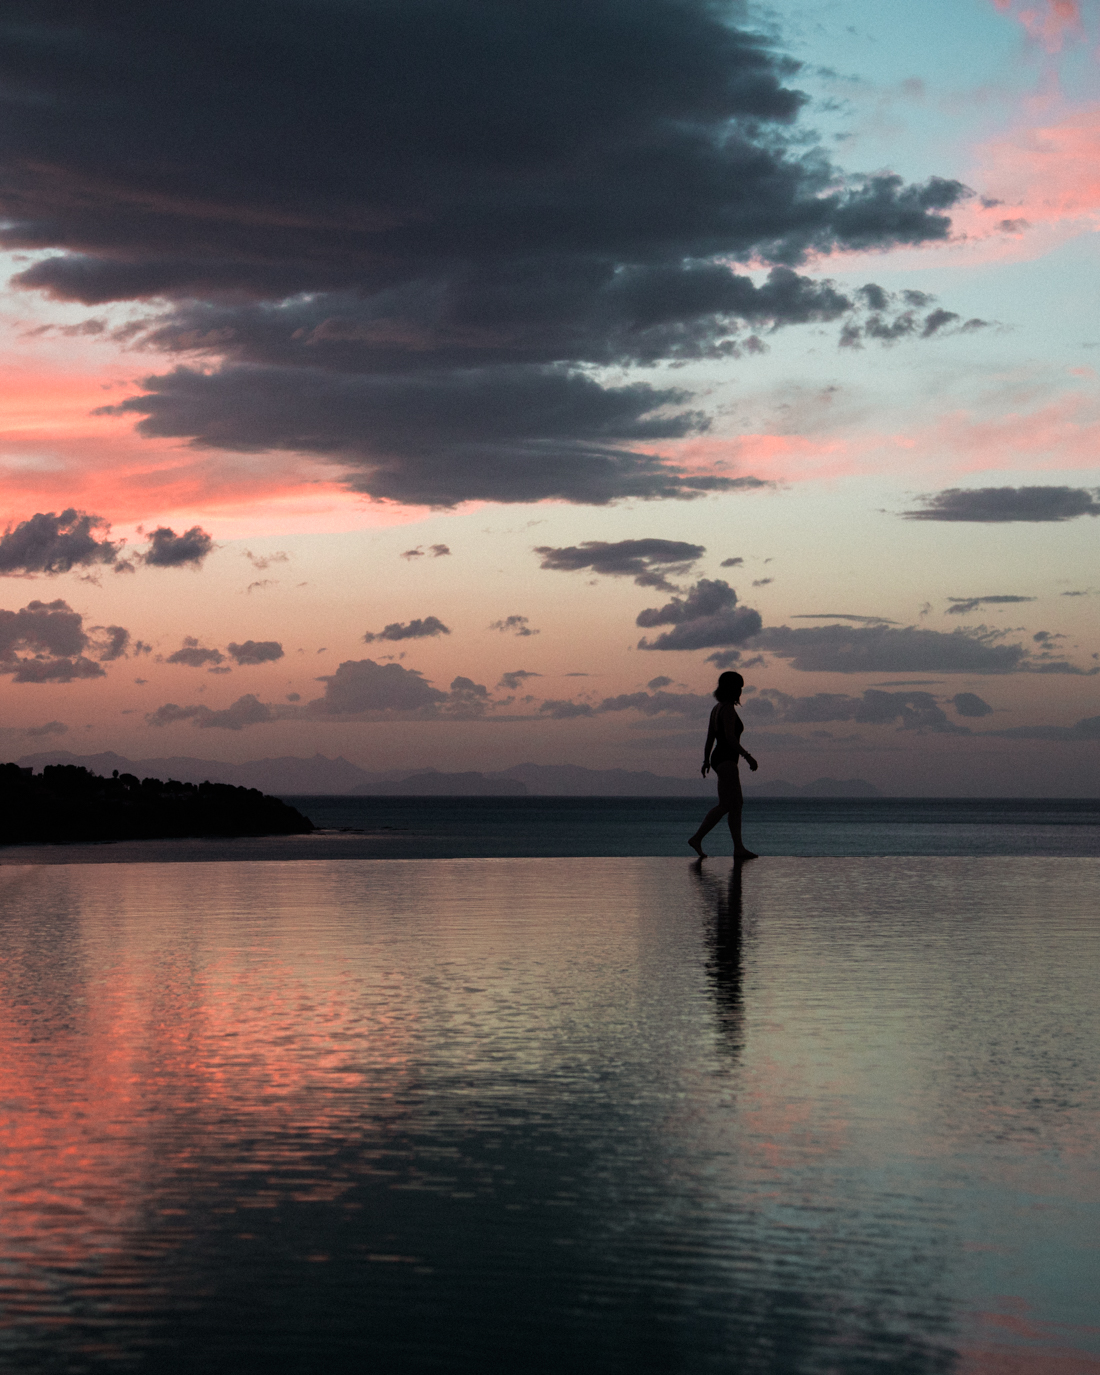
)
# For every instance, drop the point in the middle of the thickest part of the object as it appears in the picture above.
(722, 900)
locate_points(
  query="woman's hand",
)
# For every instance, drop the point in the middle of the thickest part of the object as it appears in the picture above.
(753, 765)
(705, 769)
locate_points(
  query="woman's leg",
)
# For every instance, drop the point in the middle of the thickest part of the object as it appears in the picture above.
(729, 792)
(708, 823)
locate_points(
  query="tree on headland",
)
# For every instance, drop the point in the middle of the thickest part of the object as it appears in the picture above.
(68, 803)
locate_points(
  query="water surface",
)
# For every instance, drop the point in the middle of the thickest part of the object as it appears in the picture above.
(531, 827)
(550, 1114)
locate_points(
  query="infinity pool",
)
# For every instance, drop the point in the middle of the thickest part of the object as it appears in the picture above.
(833, 1115)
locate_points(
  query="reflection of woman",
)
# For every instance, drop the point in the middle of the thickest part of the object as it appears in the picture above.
(723, 936)
(722, 753)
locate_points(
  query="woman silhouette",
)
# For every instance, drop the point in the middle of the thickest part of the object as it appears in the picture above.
(724, 739)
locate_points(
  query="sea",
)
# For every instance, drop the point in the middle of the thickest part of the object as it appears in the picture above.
(469, 1085)
(530, 827)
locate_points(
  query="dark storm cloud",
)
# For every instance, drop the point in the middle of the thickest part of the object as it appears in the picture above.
(396, 196)
(45, 642)
(255, 652)
(994, 504)
(49, 543)
(885, 649)
(707, 616)
(648, 561)
(969, 704)
(193, 655)
(962, 606)
(169, 550)
(415, 630)
(507, 434)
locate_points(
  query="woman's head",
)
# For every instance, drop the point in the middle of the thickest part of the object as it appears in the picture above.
(729, 687)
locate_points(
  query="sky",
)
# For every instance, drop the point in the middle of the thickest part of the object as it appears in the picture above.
(456, 384)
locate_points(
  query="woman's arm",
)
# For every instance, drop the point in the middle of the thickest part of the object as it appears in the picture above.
(712, 736)
(753, 765)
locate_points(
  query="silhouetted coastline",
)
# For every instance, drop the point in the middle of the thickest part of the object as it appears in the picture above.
(68, 803)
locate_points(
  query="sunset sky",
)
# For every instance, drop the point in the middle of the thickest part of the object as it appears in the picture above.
(456, 383)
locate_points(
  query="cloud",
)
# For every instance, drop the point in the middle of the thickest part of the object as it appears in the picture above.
(558, 710)
(514, 681)
(962, 606)
(503, 434)
(603, 164)
(255, 652)
(515, 625)
(364, 686)
(911, 710)
(995, 504)
(890, 321)
(169, 550)
(1048, 22)
(467, 699)
(658, 703)
(263, 562)
(731, 563)
(885, 649)
(245, 711)
(969, 704)
(648, 561)
(194, 655)
(659, 682)
(842, 616)
(1086, 729)
(49, 543)
(359, 689)
(111, 642)
(50, 728)
(45, 642)
(438, 551)
(708, 615)
(726, 658)
(415, 630)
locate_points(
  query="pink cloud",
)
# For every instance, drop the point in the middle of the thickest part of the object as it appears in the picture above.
(55, 453)
(1049, 23)
(1063, 433)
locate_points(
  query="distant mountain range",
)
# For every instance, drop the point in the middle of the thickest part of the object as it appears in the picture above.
(290, 776)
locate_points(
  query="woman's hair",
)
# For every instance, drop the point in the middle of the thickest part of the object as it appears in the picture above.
(729, 687)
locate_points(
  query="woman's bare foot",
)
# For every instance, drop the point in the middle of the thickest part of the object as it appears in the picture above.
(697, 847)
(745, 854)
